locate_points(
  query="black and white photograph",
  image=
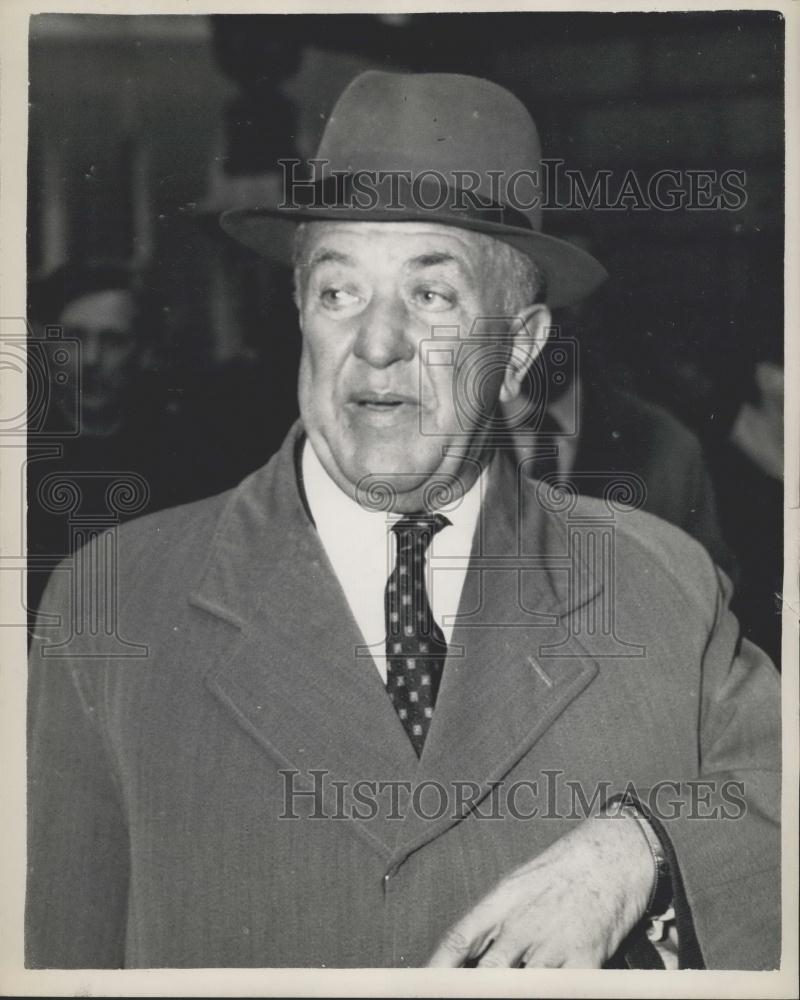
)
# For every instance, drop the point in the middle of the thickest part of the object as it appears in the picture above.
(397, 500)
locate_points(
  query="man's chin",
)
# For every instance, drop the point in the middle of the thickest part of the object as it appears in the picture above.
(404, 490)
(376, 484)
(386, 477)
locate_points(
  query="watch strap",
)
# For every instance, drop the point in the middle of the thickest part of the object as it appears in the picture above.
(661, 893)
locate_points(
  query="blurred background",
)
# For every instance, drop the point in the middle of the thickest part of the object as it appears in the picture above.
(170, 352)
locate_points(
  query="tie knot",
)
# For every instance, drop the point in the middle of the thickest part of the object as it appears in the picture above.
(419, 529)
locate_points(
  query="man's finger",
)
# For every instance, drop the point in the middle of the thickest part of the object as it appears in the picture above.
(453, 950)
(546, 958)
(506, 953)
(538, 958)
(469, 938)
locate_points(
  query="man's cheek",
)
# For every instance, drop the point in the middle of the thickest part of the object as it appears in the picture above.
(312, 367)
(439, 413)
(307, 392)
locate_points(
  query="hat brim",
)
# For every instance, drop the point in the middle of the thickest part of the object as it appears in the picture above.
(571, 273)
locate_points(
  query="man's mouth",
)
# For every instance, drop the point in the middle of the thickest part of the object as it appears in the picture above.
(382, 402)
(383, 410)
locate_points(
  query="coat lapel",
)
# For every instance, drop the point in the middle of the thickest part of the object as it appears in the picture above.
(502, 688)
(297, 678)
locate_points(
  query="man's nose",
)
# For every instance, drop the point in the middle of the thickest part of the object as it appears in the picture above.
(383, 335)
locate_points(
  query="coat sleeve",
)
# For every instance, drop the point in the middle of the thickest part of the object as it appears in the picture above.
(78, 856)
(722, 830)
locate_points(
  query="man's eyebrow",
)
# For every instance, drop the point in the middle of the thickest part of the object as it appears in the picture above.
(435, 258)
(438, 257)
(324, 255)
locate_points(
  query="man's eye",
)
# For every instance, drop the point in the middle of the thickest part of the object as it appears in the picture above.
(434, 300)
(337, 298)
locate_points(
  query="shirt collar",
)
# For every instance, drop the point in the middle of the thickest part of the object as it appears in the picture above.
(335, 513)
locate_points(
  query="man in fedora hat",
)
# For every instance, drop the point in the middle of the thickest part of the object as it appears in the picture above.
(387, 702)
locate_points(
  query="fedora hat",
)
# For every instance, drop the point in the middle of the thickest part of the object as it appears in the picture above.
(437, 147)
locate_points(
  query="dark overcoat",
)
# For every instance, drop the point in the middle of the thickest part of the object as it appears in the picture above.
(199, 669)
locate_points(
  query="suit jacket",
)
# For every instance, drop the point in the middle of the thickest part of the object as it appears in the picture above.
(175, 727)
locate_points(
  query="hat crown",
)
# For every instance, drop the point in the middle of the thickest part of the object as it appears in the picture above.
(435, 147)
(472, 132)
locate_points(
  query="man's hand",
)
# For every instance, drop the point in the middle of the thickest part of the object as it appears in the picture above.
(570, 907)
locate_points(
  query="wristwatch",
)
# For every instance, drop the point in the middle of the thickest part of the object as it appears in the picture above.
(661, 894)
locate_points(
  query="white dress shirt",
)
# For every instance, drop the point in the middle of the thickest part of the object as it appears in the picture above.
(362, 550)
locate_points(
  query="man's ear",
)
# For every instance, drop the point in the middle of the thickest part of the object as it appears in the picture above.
(530, 330)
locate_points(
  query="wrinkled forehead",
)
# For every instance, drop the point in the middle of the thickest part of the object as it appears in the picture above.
(397, 242)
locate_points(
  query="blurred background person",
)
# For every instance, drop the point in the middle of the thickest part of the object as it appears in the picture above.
(106, 416)
(748, 470)
(96, 306)
(597, 433)
(746, 463)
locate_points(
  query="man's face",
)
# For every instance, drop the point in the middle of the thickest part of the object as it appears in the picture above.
(103, 324)
(370, 294)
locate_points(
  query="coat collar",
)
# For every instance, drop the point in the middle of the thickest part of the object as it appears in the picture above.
(266, 522)
(299, 681)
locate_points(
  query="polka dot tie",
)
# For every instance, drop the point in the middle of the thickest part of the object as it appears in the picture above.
(415, 646)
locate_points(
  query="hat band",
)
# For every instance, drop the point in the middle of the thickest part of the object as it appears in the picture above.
(385, 195)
